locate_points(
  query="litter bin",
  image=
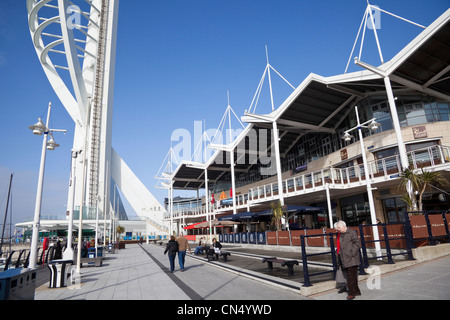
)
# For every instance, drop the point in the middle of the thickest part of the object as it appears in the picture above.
(111, 247)
(60, 270)
(17, 284)
(91, 252)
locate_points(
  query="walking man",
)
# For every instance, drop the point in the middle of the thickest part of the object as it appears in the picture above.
(348, 252)
(183, 244)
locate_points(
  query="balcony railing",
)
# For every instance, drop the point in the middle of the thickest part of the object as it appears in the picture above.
(338, 178)
(379, 170)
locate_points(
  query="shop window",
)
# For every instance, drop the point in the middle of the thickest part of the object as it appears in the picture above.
(394, 210)
(355, 209)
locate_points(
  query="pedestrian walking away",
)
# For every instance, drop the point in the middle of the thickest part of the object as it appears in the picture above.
(348, 253)
(183, 245)
(171, 250)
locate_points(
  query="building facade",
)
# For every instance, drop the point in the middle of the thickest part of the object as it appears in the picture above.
(306, 161)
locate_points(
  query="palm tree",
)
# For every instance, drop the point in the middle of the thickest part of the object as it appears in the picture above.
(120, 230)
(419, 182)
(428, 178)
(277, 214)
(408, 179)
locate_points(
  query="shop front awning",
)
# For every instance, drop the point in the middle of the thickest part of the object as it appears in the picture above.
(238, 216)
(215, 223)
(268, 213)
(192, 226)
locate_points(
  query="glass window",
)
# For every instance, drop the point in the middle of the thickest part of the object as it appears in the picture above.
(355, 210)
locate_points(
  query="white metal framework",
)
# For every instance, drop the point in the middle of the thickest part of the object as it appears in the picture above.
(76, 45)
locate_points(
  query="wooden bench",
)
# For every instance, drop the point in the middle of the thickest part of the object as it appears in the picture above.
(211, 255)
(288, 263)
(225, 255)
(96, 261)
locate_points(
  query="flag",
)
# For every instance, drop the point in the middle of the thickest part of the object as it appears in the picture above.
(231, 192)
(212, 198)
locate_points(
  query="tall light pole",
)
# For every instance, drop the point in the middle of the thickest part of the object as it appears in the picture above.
(68, 253)
(38, 129)
(373, 125)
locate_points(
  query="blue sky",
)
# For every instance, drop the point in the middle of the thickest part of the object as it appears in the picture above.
(176, 60)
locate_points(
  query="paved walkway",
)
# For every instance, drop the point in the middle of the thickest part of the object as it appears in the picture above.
(141, 273)
(425, 281)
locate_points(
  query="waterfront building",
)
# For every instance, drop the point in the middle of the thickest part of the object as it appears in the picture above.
(308, 163)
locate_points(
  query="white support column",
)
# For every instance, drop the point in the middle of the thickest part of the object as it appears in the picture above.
(396, 122)
(278, 162)
(233, 184)
(330, 210)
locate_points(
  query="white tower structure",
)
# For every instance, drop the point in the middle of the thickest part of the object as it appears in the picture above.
(76, 45)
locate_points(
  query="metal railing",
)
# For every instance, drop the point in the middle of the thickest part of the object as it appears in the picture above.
(386, 241)
(432, 226)
(379, 170)
(306, 273)
(16, 259)
(364, 259)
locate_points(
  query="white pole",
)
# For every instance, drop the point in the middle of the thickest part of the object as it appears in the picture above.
(80, 218)
(208, 214)
(68, 253)
(376, 35)
(96, 228)
(278, 161)
(106, 204)
(37, 209)
(270, 80)
(233, 184)
(373, 215)
(330, 211)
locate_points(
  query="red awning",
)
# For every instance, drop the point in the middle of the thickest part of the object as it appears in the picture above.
(192, 226)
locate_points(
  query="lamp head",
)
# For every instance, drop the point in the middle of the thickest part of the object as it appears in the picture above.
(51, 144)
(374, 125)
(347, 136)
(39, 128)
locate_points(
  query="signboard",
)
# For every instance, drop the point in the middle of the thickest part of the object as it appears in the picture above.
(295, 237)
(420, 132)
(437, 225)
(272, 237)
(419, 227)
(283, 238)
(252, 237)
(315, 241)
(261, 237)
(344, 154)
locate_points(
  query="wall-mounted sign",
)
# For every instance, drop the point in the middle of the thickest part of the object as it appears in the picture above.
(344, 154)
(420, 132)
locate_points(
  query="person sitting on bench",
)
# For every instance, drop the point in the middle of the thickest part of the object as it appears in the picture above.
(201, 246)
(217, 246)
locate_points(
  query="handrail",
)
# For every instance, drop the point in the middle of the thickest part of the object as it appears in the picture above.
(386, 241)
(306, 274)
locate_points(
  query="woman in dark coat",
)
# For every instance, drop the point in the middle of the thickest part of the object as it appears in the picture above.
(171, 249)
(348, 245)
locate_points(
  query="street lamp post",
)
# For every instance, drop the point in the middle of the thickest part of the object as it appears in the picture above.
(373, 125)
(41, 129)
